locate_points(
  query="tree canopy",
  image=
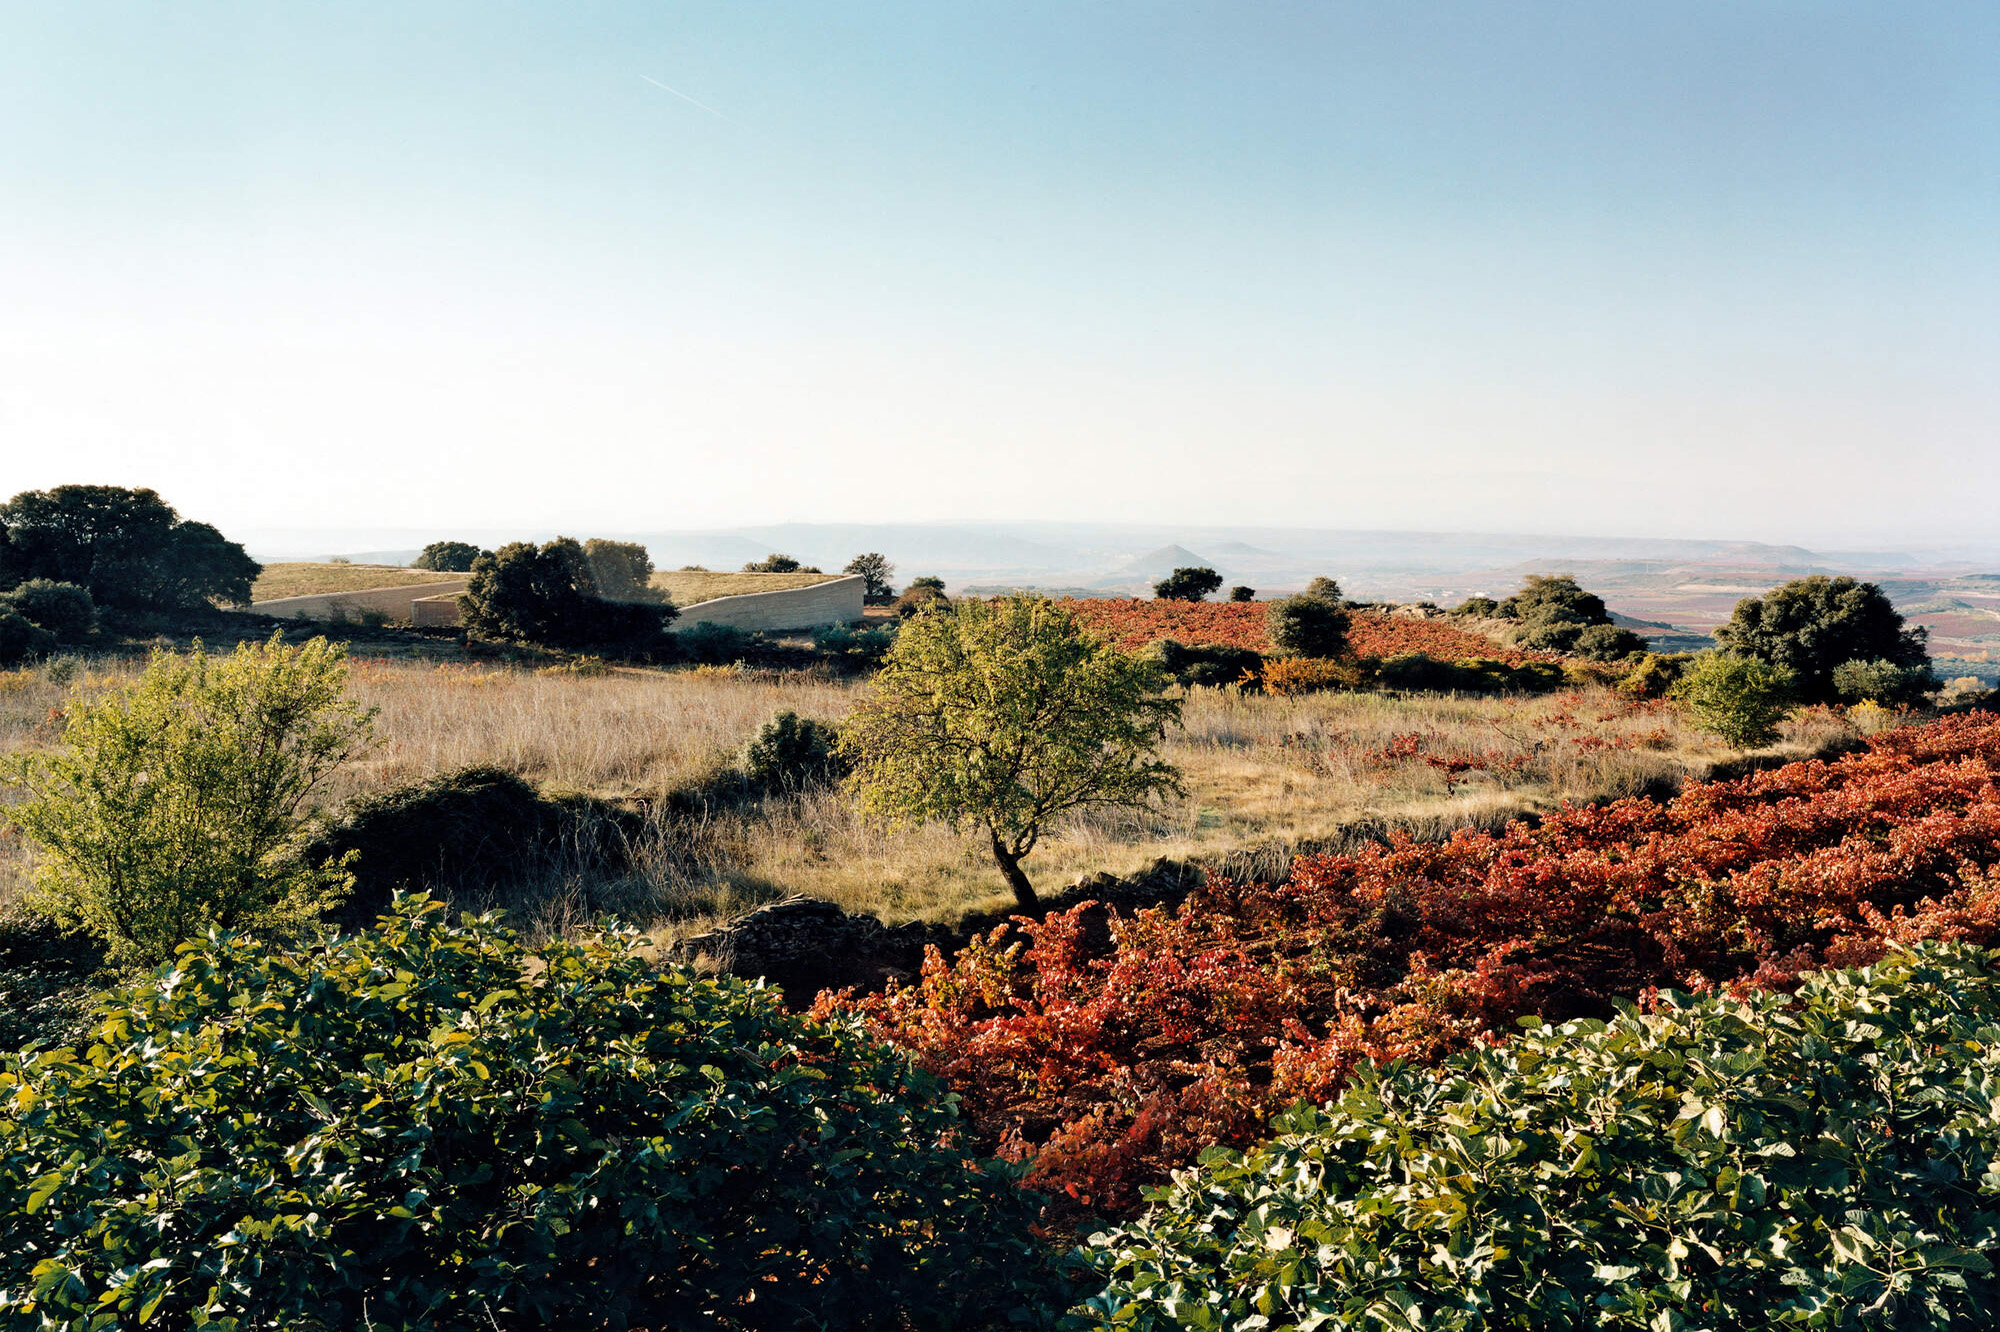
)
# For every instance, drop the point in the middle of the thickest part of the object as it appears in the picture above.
(448, 557)
(549, 595)
(128, 548)
(1188, 584)
(875, 571)
(1811, 626)
(1004, 716)
(623, 571)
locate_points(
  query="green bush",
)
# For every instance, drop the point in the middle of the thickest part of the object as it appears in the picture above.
(921, 595)
(1188, 584)
(775, 563)
(712, 644)
(448, 556)
(790, 753)
(1242, 593)
(127, 547)
(21, 638)
(1557, 597)
(1654, 674)
(1811, 626)
(1211, 664)
(849, 646)
(428, 1126)
(64, 609)
(1883, 682)
(1740, 699)
(549, 595)
(178, 802)
(1307, 626)
(1818, 1162)
(1607, 642)
(1477, 608)
(1551, 635)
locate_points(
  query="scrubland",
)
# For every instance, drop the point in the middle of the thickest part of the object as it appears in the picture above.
(1265, 778)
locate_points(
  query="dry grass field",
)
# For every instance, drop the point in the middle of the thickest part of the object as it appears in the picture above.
(1264, 777)
(690, 586)
(305, 579)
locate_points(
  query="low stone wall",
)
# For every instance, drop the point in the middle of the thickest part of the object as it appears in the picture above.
(426, 612)
(837, 601)
(395, 602)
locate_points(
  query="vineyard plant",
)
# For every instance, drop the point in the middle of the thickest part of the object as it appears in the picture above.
(1134, 624)
(1105, 1049)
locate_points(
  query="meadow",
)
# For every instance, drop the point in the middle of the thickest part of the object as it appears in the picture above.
(308, 578)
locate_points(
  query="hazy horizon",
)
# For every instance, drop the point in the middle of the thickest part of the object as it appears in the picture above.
(1667, 271)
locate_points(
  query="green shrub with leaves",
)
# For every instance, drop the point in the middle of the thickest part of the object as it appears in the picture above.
(448, 556)
(1192, 583)
(1739, 699)
(1823, 1161)
(549, 595)
(790, 753)
(178, 803)
(64, 609)
(1607, 642)
(1884, 682)
(1811, 626)
(428, 1126)
(1242, 592)
(1210, 664)
(21, 638)
(712, 644)
(862, 648)
(1308, 626)
(1654, 674)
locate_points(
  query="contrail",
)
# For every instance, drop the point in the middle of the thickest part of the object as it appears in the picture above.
(692, 101)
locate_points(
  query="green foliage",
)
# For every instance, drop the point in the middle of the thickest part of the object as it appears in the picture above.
(875, 571)
(424, 1126)
(549, 595)
(1818, 1162)
(1326, 589)
(64, 609)
(931, 581)
(622, 570)
(1308, 626)
(1654, 674)
(1607, 642)
(1740, 699)
(1004, 716)
(1811, 626)
(775, 563)
(1420, 673)
(712, 644)
(790, 753)
(1882, 682)
(1554, 598)
(21, 638)
(1477, 608)
(863, 648)
(922, 594)
(1242, 593)
(177, 802)
(128, 548)
(1191, 584)
(448, 557)
(1212, 664)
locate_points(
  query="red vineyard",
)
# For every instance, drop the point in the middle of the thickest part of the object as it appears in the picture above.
(1132, 624)
(1107, 1050)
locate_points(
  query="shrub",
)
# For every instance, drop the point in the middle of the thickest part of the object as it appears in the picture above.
(1213, 665)
(1740, 699)
(1105, 1052)
(623, 571)
(1004, 716)
(1325, 589)
(1555, 597)
(448, 556)
(178, 801)
(875, 571)
(428, 1126)
(1817, 1161)
(1654, 674)
(1242, 593)
(21, 638)
(790, 753)
(863, 648)
(1477, 608)
(712, 644)
(64, 609)
(1607, 642)
(1810, 626)
(1308, 626)
(775, 563)
(1882, 682)
(549, 596)
(922, 595)
(1191, 584)
(1549, 636)
(1288, 677)
(128, 548)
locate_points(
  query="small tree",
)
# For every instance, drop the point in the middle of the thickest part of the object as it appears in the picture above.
(1242, 593)
(875, 571)
(1325, 589)
(64, 609)
(1004, 716)
(1882, 682)
(791, 753)
(1192, 584)
(1737, 698)
(21, 638)
(623, 571)
(1811, 625)
(548, 595)
(922, 594)
(448, 557)
(775, 563)
(1557, 598)
(1307, 626)
(178, 802)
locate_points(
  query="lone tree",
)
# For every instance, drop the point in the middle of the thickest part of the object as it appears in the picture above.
(548, 595)
(1307, 626)
(776, 563)
(1813, 626)
(623, 570)
(448, 557)
(1738, 698)
(1003, 716)
(1558, 598)
(875, 571)
(127, 548)
(1192, 584)
(178, 801)
(1242, 593)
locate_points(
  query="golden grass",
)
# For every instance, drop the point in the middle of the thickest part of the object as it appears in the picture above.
(690, 587)
(1265, 777)
(305, 579)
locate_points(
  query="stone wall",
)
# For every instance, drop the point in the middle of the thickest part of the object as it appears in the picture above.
(835, 602)
(394, 602)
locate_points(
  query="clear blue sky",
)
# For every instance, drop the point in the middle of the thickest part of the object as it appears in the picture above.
(1726, 269)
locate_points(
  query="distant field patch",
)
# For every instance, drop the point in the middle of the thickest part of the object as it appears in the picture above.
(1134, 623)
(688, 588)
(304, 579)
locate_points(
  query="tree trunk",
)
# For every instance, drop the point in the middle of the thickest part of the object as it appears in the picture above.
(1010, 869)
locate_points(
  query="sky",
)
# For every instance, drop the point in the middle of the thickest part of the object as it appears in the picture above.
(1634, 269)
